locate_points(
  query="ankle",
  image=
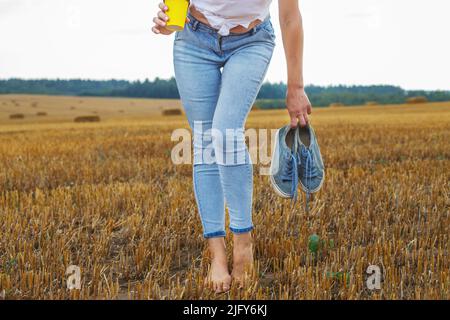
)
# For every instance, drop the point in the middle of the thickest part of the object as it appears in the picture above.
(242, 241)
(217, 250)
(219, 260)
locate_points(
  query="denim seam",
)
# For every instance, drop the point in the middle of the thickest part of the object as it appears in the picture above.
(250, 187)
(197, 197)
(250, 179)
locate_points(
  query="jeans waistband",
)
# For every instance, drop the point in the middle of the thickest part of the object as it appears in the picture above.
(196, 24)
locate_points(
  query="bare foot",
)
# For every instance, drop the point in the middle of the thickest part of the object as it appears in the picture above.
(218, 278)
(242, 258)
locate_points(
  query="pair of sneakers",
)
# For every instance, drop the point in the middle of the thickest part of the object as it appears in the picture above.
(296, 159)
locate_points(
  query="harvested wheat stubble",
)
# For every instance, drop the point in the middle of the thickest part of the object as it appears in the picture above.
(17, 116)
(172, 112)
(87, 119)
(109, 200)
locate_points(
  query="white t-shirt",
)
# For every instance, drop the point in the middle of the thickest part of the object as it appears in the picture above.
(224, 15)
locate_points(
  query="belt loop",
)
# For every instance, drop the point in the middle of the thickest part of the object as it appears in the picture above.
(195, 24)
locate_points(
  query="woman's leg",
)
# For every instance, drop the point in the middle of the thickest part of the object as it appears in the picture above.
(242, 76)
(198, 79)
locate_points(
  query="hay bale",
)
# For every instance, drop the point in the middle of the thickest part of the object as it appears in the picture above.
(17, 116)
(336, 104)
(87, 119)
(172, 112)
(415, 100)
(41, 114)
(371, 103)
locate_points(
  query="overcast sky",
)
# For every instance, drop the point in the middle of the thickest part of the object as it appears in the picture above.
(400, 42)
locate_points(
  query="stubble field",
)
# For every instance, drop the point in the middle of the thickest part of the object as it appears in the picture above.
(106, 197)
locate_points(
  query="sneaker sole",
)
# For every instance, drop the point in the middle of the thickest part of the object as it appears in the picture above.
(272, 181)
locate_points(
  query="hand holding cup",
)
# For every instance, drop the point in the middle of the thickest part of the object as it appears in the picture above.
(167, 21)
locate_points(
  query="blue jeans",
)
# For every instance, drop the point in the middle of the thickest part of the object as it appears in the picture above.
(218, 78)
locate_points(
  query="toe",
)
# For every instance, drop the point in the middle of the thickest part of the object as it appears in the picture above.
(239, 282)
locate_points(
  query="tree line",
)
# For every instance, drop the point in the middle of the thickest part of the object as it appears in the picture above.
(271, 95)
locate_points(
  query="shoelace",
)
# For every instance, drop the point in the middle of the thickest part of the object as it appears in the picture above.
(309, 166)
(291, 174)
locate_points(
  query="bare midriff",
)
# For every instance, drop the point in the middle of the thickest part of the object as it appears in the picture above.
(238, 29)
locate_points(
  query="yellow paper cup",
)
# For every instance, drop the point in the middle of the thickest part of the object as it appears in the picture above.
(177, 12)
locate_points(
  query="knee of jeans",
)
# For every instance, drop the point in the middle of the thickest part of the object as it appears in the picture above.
(202, 143)
(229, 146)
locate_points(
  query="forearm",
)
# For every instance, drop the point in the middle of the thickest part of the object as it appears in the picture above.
(292, 34)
